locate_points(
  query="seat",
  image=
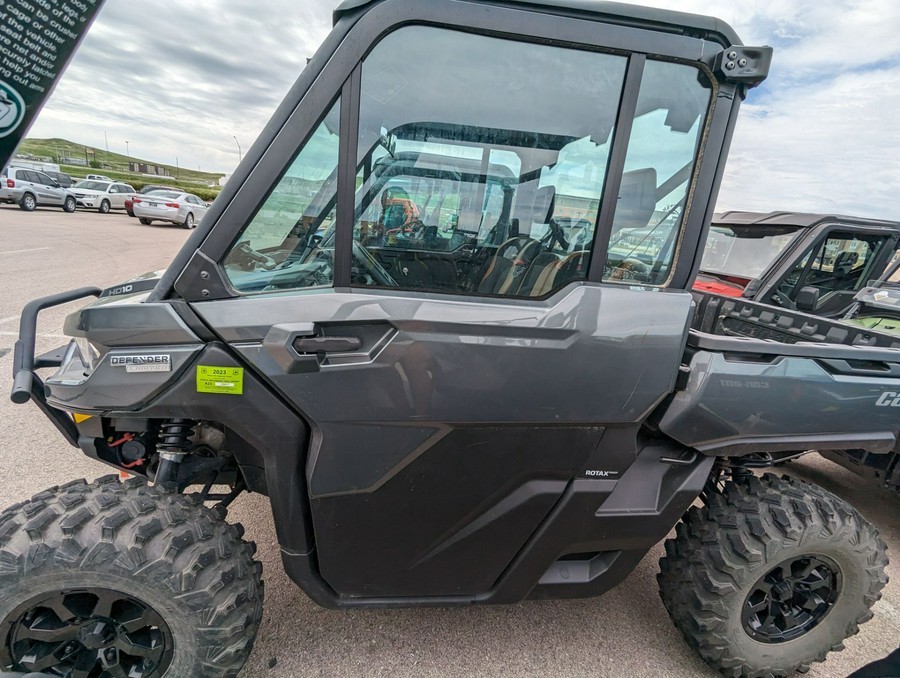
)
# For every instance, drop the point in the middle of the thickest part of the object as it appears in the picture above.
(555, 275)
(505, 270)
(844, 263)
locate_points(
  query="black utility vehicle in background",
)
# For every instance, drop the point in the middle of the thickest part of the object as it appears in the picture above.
(809, 262)
(421, 319)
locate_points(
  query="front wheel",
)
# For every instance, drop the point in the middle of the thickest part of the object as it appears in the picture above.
(188, 221)
(121, 579)
(771, 575)
(69, 205)
(28, 202)
(104, 207)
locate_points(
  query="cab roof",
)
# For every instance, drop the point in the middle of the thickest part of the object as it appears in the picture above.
(610, 12)
(800, 219)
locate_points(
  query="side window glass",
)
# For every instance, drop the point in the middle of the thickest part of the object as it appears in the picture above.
(289, 243)
(480, 181)
(843, 262)
(662, 151)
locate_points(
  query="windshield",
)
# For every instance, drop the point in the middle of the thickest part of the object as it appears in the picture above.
(745, 251)
(93, 185)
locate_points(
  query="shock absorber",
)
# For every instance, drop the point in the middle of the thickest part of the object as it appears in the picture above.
(172, 446)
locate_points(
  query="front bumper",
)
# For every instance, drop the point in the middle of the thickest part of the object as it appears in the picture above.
(26, 384)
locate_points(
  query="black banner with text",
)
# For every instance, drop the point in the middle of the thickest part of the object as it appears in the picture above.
(37, 39)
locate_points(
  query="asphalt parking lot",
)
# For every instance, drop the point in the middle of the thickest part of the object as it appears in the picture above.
(624, 633)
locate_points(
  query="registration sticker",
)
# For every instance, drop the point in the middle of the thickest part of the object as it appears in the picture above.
(212, 379)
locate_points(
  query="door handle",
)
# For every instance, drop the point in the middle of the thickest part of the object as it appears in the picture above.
(327, 344)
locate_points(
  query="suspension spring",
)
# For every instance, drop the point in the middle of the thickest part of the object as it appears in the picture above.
(174, 436)
(173, 445)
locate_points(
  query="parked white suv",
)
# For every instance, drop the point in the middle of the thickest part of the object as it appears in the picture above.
(29, 188)
(102, 195)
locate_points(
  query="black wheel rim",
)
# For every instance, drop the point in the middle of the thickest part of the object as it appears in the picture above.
(87, 633)
(791, 599)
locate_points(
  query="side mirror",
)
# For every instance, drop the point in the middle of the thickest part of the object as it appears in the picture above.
(54, 183)
(808, 298)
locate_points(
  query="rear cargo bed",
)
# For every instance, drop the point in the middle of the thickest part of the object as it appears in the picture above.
(784, 391)
(738, 317)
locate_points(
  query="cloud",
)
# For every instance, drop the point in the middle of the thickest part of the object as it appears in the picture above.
(180, 79)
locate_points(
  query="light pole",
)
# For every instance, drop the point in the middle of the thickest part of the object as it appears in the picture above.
(128, 155)
(240, 155)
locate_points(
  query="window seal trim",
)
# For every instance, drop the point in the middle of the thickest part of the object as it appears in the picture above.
(346, 184)
(631, 89)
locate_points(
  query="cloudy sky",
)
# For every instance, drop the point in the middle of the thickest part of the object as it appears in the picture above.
(181, 80)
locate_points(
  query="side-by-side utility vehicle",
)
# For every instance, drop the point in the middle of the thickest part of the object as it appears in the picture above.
(873, 320)
(809, 262)
(420, 318)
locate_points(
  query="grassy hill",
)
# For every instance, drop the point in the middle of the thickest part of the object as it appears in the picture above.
(115, 166)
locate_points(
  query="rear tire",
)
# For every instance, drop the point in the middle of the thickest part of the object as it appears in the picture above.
(104, 207)
(183, 587)
(69, 205)
(28, 202)
(743, 555)
(188, 221)
(145, 221)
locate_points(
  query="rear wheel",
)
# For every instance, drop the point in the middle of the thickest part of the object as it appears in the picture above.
(145, 221)
(28, 202)
(104, 207)
(188, 221)
(121, 579)
(69, 204)
(771, 575)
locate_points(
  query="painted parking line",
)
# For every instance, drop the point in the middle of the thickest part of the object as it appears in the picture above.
(9, 319)
(33, 249)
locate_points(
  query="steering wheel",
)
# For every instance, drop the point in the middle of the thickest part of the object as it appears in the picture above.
(244, 257)
(629, 268)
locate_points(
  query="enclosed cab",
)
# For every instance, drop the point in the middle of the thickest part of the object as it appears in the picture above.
(809, 262)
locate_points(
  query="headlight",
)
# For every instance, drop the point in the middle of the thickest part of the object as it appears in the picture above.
(89, 354)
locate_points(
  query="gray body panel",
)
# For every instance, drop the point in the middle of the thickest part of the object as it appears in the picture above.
(741, 403)
(586, 355)
(126, 321)
(121, 326)
(110, 387)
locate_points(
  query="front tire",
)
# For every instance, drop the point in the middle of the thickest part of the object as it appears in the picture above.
(69, 205)
(145, 581)
(104, 207)
(188, 221)
(28, 202)
(771, 575)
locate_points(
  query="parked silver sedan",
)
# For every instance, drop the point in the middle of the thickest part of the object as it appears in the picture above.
(184, 209)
